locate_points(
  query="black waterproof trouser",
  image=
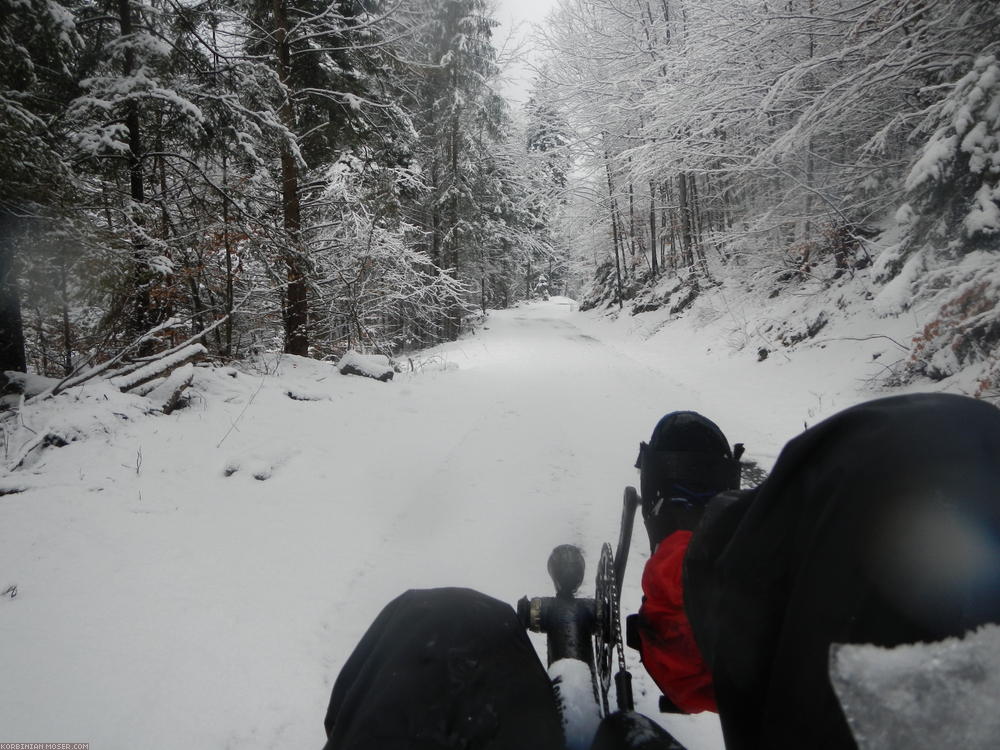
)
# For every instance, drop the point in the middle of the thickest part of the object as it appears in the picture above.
(443, 668)
(879, 525)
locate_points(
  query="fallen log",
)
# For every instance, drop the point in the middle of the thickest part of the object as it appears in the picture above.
(168, 395)
(81, 375)
(157, 367)
(367, 365)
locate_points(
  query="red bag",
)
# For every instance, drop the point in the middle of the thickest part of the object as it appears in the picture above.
(667, 644)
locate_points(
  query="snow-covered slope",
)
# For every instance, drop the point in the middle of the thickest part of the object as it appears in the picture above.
(197, 580)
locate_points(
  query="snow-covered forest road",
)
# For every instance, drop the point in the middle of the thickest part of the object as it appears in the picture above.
(196, 580)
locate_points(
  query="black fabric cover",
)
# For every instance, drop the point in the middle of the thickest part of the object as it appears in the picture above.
(627, 730)
(689, 431)
(879, 525)
(444, 668)
(686, 462)
(688, 475)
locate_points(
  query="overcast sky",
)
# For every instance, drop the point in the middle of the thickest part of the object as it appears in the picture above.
(519, 15)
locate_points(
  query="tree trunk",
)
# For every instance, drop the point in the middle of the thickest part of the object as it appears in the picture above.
(654, 266)
(614, 231)
(43, 342)
(619, 253)
(138, 322)
(673, 223)
(163, 308)
(697, 214)
(296, 301)
(435, 218)
(228, 351)
(67, 331)
(666, 226)
(454, 315)
(11, 326)
(805, 240)
(687, 254)
(631, 221)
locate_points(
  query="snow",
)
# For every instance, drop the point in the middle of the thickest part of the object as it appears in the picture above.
(905, 215)
(198, 579)
(575, 693)
(113, 137)
(86, 413)
(984, 216)
(161, 264)
(922, 696)
(63, 19)
(933, 162)
(897, 294)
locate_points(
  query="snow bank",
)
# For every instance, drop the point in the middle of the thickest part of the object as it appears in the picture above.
(922, 696)
(93, 410)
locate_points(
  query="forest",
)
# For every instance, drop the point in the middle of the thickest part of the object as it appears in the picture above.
(315, 177)
(305, 177)
(789, 146)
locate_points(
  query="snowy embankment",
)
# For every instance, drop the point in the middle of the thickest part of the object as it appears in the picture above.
(196, 580)
(766, 359)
